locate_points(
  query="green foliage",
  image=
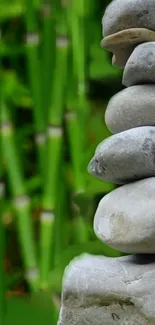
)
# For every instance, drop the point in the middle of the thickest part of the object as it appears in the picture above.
(55, 91)
(36, 310)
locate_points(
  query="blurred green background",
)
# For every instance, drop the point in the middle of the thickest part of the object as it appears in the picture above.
(55, 82)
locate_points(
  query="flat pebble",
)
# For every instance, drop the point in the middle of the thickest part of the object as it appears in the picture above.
(130, 108)
(126, 156)
(140, 67)
(125, 218)
(122, 14)
(122, 44)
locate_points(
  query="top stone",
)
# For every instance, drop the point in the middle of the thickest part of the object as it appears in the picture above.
(121, 15)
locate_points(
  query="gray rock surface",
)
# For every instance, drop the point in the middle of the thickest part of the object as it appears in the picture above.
(125, 218)
(130, 108)
(106, 291)
(122, 44)
(126, 156)
(122, 14)
(140, 67)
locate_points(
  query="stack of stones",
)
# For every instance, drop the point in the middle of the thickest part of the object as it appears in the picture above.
(101, 290)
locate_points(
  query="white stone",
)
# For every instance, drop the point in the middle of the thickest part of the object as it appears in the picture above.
(130, 108)
(140, 67)
(126, 156)
(125, 217)
(99, 290)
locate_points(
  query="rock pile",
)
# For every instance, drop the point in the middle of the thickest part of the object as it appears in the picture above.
(106, 291)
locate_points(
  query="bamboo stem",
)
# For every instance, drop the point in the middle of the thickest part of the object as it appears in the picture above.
(61, 214)
(48, 51)
(21, 201)
(34, 70)
(76, 150)
(2, 242)
(2, 255)
(77, 106)
(54, 147)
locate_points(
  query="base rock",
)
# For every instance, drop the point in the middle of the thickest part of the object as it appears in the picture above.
(107, 291)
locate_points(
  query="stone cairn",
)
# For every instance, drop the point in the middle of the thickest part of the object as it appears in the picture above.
(99, 290)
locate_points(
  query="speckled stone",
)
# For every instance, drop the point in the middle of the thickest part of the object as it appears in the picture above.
(140, 67)
(99, 290)
(126, 156)
(125, 217)
(130, 108)
(124, 14)
(123, 43)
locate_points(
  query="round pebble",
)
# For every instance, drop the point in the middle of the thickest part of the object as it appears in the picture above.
(140, 67)
(125, 218)
(126, 156)
(130, 108)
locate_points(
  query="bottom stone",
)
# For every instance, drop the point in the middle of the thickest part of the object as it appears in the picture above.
(106, 291)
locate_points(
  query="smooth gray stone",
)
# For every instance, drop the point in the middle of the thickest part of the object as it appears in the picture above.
(99, 290)
(130, 108)
(124, 14)
(125, 218)
(140, 67)
(126, 156)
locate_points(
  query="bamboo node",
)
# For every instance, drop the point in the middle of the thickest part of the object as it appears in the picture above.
(54, 131)
(47, 216)
(32, 274)
(82, 87)
(2, 189)
(21, 201)
(6, 128)
(32, 39)
(40, 138)
(70, 116)
(46, 10)
(79, 191)
(62, 41)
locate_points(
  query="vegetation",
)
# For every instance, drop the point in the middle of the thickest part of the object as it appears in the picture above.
(55, 82)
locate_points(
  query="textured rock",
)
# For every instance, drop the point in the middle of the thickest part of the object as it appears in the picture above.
(125, 218)
(132, 107)
(107, 291)
(126, 156)
(123, 43)
(140, 67)
(121, 15)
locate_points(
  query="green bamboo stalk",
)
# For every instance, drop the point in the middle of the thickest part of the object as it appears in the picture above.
(76, 20)
(54, 147)
(21, 201)
(77, 107)
(2, 231)
(77, 152)
(2, 241)
(48, 51)
(78, 48)
(2, 255)
(61, 210)
(34, 70)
